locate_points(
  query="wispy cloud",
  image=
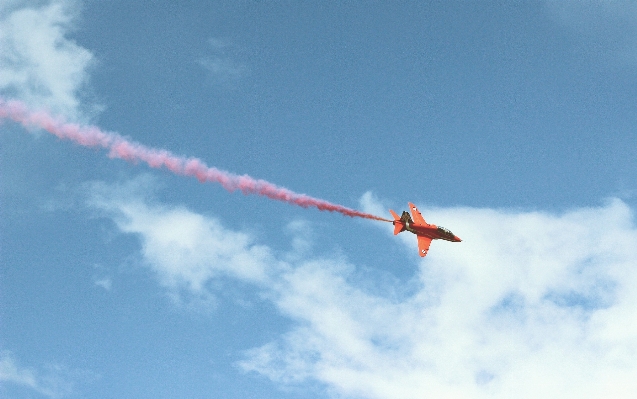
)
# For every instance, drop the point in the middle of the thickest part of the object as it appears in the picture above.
(531, 304)
(102, 278)
(39, 63)
(54, 382)
(188, 251)
(221, 62)
(104, 282)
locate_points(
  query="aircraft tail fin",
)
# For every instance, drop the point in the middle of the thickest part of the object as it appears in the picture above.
(398, 223)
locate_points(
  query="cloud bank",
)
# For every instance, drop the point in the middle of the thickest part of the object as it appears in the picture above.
(532, 304)
(39, 63)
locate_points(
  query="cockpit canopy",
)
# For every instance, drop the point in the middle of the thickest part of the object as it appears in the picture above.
(445, 232)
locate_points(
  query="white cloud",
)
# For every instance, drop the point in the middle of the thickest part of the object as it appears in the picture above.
(188, 251)
(10, 372)
(370, 204)
(39, 64)
(530, 304)
(101, 278)
(51, 383)
(104, 282)
(301, 233)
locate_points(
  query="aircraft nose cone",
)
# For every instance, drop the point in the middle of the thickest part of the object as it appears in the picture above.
(458, 239)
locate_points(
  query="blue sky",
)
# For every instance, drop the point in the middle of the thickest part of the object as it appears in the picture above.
(511, 123)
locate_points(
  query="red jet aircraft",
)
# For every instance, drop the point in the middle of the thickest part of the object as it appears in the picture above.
(424, 231)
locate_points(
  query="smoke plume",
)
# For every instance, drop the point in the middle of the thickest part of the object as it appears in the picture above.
(119, 147)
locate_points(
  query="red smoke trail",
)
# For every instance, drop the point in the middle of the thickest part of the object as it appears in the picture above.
(119, 147)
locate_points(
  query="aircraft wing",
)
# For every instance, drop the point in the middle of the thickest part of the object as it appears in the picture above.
(423, 245)
(415, 214)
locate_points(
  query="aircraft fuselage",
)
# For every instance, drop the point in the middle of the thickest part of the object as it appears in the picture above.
(432, 231)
